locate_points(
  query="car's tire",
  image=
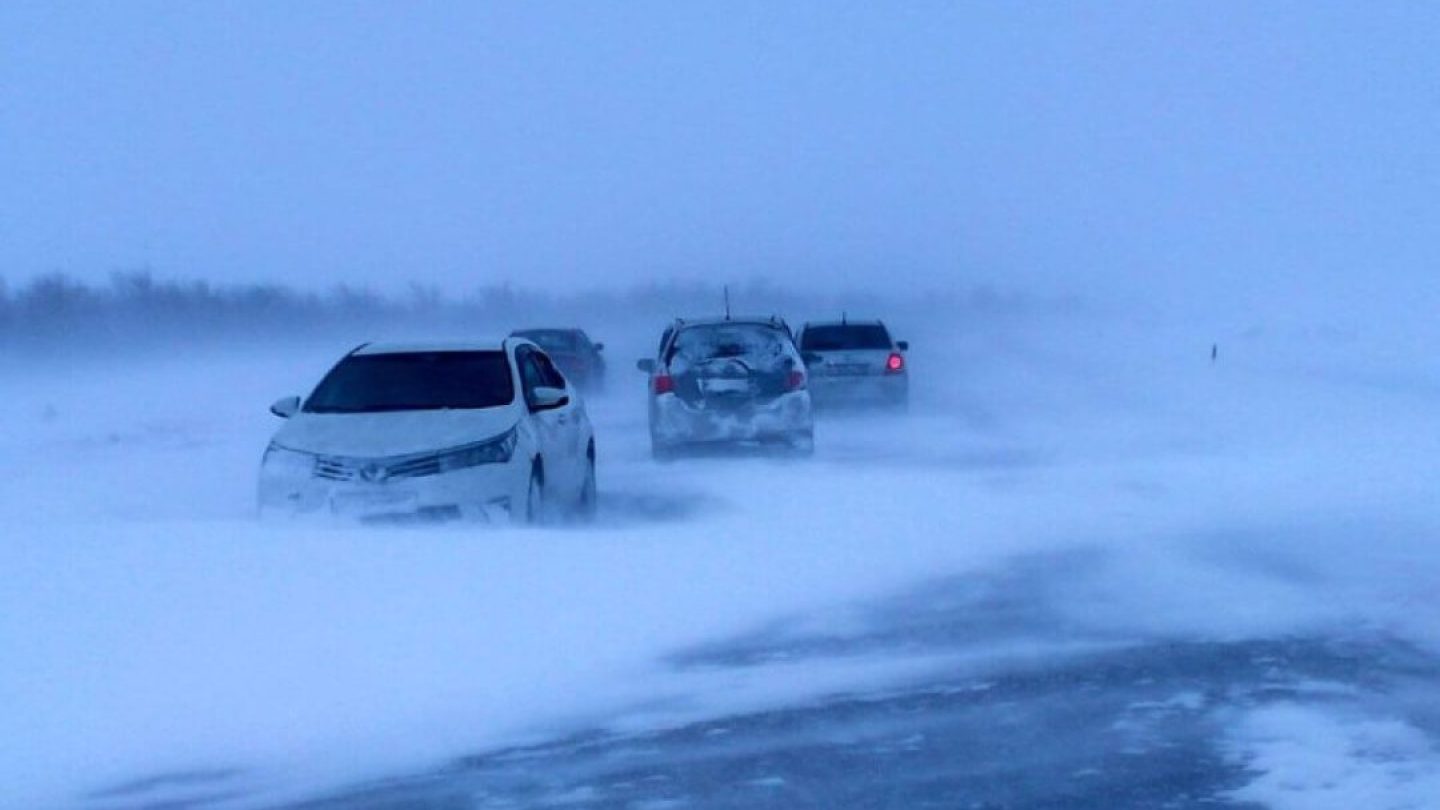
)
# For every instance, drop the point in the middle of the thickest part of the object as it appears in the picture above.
(662, 450)
(536, 512)
(802, 444)
(588, 503)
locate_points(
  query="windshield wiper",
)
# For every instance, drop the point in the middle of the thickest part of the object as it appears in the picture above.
(402, 406)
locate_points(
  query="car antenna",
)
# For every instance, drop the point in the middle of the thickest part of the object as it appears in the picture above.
(727, 302)
(844, 317)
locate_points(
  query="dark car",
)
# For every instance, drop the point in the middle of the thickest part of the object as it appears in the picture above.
(578, 357)
(726, 381)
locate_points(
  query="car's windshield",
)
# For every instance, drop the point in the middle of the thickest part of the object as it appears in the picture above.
(841, 337)
(552, 340)
(414, 381)
(752, 342)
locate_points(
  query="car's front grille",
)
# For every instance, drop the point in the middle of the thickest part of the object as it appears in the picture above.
(334, 468)
(496, 450)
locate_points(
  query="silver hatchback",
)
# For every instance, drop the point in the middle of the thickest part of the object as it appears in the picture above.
(728, 381)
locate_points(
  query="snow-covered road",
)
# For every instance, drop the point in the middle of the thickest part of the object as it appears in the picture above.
(1113, 577)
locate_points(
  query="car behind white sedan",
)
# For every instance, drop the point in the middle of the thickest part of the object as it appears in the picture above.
(400, 433)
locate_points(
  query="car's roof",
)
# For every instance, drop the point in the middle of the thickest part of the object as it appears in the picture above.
(432, 346)
(569, 330)
(748, 320)
(847, 322)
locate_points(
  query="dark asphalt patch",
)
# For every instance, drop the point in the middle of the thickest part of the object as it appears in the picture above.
(1121, 723)
(1139, 727)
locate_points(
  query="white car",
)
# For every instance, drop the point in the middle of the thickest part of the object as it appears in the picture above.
(488, 431)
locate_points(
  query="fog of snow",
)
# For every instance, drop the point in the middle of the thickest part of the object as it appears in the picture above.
(150, 626)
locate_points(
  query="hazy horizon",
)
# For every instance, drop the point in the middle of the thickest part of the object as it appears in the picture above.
(1230, 158)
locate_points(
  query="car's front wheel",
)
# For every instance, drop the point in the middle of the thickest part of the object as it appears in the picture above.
(535, 496)
(588, 502)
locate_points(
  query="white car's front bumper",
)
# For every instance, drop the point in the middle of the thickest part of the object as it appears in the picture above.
(491, 492)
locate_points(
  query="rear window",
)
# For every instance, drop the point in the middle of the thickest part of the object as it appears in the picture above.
(699, 344)
(840, 337)
(414, 381)
(553, 340)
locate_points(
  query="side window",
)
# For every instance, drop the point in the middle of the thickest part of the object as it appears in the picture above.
(549, 375)
(531, 377)
(664, 338)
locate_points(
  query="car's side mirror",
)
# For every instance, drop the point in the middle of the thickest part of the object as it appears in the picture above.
(545, 398)
(903, 344)
(647, 365)
(811, 358)
(285, 407)
(599, 347)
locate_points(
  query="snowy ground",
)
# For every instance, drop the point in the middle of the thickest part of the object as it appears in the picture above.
(1090, 569)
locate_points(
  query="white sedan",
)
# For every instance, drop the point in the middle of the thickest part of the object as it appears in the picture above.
(399, 433)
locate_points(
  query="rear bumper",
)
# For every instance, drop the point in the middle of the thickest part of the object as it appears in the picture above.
(672, 421)
(871, 389)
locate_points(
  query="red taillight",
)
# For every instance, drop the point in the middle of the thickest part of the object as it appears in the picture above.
(664, 383)
(895, 364)
(795, 381)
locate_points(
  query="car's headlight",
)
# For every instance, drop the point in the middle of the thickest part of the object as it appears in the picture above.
(279, 460)
(491, 451)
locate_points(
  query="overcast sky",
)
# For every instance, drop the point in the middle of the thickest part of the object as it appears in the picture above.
(1257, 150)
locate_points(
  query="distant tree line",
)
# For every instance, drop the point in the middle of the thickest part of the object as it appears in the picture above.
(138, 310)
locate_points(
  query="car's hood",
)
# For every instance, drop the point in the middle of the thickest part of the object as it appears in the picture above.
(377, 435)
